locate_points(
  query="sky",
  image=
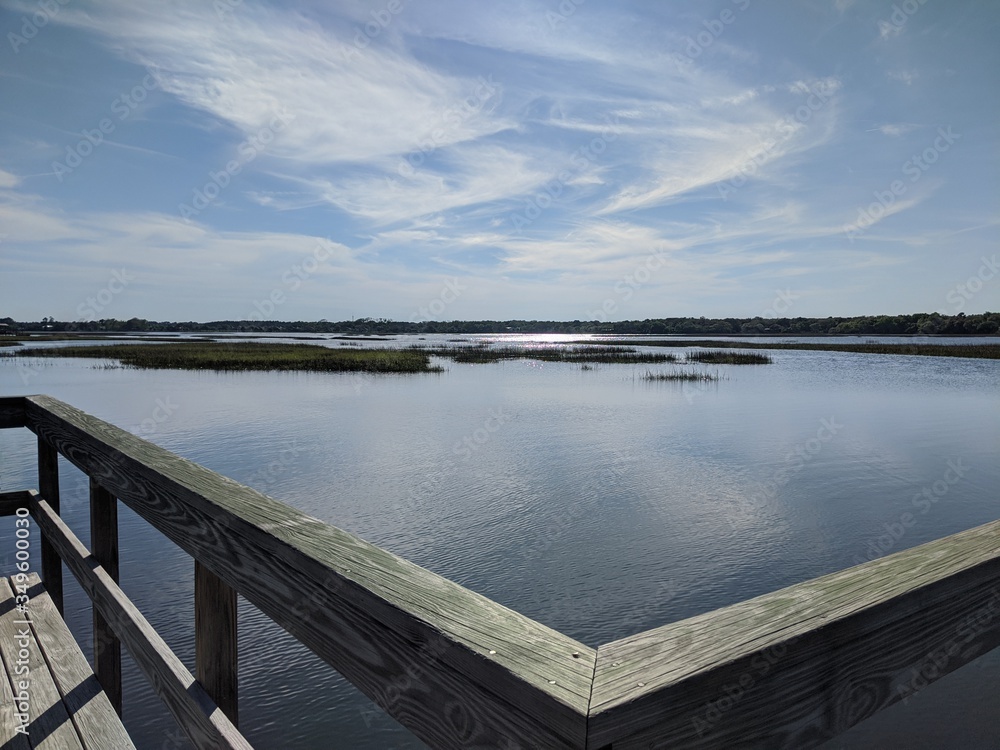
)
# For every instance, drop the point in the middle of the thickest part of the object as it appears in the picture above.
(456, 160)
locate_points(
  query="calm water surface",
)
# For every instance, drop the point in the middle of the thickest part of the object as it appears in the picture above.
(591, 500)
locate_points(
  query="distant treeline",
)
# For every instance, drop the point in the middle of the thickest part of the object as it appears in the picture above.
(916, 324)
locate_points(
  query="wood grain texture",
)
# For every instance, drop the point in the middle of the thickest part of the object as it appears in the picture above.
(104, 547)
(455, 667)
(10, 737)
(793, 668)
(48, 487)
(95, 719)
(215, 639)
(195, 713)
(11, 412)
(49, 725)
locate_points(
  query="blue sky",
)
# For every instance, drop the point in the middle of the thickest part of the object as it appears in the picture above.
(456, 160)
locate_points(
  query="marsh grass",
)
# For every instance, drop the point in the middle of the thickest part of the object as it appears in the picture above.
(977, 351)
(484, 353)
(247, 356)
(241, 356)
(720, 357)
(680, 375)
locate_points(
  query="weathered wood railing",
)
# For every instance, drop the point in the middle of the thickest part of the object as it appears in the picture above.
(788, 669)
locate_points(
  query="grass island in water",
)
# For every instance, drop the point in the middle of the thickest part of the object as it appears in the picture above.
(483, 353)
(245, 356)
(681, 375)
(977, 351)
(715, 357)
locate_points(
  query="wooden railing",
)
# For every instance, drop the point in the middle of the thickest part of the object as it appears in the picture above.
(788, 669)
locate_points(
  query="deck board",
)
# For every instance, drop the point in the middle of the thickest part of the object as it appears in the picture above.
(49, 724)
(68, 708)
(9, 736)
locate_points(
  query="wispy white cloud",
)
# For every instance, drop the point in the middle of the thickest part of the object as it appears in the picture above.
(887, 30)
(8, 180)
(827, 86)
(346, 104)
(867, 219)
(896, 129)
(902, 76)
(170, 264)
(475, 174)
(403, 134)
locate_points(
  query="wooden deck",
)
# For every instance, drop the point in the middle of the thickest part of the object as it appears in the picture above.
(789, 669)
(50, 696)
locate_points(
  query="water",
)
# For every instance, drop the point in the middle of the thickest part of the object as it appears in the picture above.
(593, 501)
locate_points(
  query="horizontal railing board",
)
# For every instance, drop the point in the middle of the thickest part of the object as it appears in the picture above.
(453, 666)
(11, 412)
(187, 701)
(798, 666)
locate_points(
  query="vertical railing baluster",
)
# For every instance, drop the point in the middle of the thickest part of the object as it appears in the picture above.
(104, 547)
(215, 640)
(48, 488)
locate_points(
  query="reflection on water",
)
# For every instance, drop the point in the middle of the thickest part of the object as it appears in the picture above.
(593, 501)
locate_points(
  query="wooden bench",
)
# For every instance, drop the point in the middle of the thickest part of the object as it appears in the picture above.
(45, 672)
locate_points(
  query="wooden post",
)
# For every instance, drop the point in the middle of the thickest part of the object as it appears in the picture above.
(215, 643)
(48, 487)
(104, 547)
